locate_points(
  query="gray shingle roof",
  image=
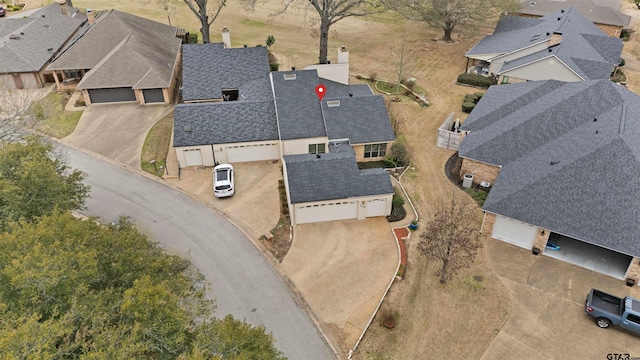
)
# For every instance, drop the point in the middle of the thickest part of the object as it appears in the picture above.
(123, 50)
(45, 29)
(570, 158)
(596, 13)
(359, 119)
(584, 48)
(333, 176)
(224, 123)
(298, 107)
(209, 68)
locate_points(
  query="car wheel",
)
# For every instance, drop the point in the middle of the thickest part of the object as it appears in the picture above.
(603, 322)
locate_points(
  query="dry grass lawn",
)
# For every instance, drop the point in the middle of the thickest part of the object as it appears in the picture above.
(457, 320)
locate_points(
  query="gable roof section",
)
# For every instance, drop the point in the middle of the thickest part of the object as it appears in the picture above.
(298, 108)
(209, 68)
(359, 119)
(45, 29)
(333, 176)
(584, 48)
(224, 123)
(123, 50)
(570, 160)
(595, 12)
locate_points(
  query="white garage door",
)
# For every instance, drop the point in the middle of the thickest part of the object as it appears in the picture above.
(326, 212)
(514, 232)
(376, 207)
(241, 153)
(193, 157)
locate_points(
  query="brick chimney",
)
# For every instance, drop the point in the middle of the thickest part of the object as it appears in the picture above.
(556, 38)
(91, 16)
(343, 55)
(226, 38)
(64, 7)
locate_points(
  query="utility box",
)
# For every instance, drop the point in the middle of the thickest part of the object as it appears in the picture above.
(467, 181)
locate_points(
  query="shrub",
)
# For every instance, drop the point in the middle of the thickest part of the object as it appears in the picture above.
(397, 200)
(625, 34)
(622, 62)
(479, 95)
(476, 80)
(478, 196)
(373, 75)
(274, 66)
(192, 38)
(468, 106)
(470, 98)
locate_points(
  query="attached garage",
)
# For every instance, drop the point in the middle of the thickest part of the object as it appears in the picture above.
(193, 157)
(111, 95)
(341, 210)
(153, 96)
(377, 207)
(514, 232)
(254, 152)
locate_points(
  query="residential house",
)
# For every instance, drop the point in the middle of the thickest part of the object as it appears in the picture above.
(604, 14)
(121, 58)
(563, 162)
(236, 110)
(28, 44)
(563, 45)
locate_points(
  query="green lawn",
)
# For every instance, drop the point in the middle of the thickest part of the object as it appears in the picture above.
(53, 119)
(156, 146)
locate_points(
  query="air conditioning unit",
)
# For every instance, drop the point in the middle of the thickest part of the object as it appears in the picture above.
(467, 181)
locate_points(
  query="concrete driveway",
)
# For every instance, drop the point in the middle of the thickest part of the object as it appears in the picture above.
(116, 131)
(342, 269)
(547, 319)
(255, 206)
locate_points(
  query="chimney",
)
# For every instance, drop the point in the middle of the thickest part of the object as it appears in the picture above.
(64, 7)
(343, 55)
(91, 16)
(226, 38)
(556, 38)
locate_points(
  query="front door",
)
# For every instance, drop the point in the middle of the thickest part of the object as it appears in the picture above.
(18, 80)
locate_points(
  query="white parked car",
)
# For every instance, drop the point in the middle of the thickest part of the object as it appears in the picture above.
(223, 180)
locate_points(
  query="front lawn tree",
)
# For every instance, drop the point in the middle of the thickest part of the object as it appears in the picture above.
(451, 236)
(206, 14)
(447, 14)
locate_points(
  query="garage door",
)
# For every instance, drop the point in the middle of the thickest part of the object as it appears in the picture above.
(326, 212)
(376, 207)
(514, 232)
(259, 152)
(153, 96)
(193, 157)
(111, 95)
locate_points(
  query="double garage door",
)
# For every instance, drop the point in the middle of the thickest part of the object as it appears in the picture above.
(111, 95)
(258, 152)
(340, 210)
(514, 232)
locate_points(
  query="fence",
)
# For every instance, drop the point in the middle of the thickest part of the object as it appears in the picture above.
(448, 136)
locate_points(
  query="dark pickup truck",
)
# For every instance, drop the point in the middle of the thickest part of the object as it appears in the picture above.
(611, 310)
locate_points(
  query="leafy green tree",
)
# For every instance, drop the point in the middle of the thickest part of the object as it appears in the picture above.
(77, 289)
(34, 180)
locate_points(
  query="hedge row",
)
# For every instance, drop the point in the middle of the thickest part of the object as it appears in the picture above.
(476, 80)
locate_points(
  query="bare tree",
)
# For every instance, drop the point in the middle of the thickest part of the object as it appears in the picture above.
(205, 14)
(451, 236)
(447, 14)
(330, 12)
(17, 115)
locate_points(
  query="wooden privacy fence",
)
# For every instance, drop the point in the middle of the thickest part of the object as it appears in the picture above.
(449, 137)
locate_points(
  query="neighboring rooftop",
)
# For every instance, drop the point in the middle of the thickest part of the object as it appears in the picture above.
(210, 68)
(359, 119)
(595, 11)
(27, 44)
(570, 157)
(583, 47)
(123, 50)
(332, 176)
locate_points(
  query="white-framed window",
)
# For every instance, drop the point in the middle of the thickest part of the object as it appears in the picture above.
(317, 148)
(375, 150)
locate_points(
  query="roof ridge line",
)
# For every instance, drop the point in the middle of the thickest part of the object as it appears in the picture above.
(623, 118)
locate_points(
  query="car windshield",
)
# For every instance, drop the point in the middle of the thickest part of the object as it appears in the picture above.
(222, 175)
(223, 187)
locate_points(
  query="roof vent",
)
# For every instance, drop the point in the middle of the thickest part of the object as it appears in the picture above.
(187, 128)
(533, 3)
(333, 103)
(554, 163)
(14, 37)
(559, 18)
(535, 37)
(595, 119)
(21, 33)
(562, 11)
(289, 76)
(317, 156)
(47, 26)
(50, 49)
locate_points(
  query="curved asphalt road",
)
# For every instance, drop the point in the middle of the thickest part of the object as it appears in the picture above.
(243, 282)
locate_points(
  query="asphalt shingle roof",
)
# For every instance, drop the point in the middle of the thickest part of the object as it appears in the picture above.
(589, 8)
(224, 123)
(123, 50)
(584, 48)
(45, 29)
(299, 114)
(569, 157)
(333, 176)
(359, 119)
(209, 68)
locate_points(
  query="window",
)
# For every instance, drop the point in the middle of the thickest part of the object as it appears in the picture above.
(375, 150)
(316, 149)
(634, 318)
(71, 74)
